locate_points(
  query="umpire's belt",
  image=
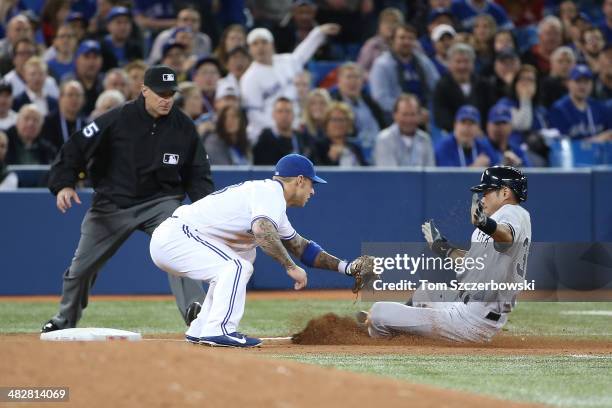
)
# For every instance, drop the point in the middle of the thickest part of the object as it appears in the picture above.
(491, 315)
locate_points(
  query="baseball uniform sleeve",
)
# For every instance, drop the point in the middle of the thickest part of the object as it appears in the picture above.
(509, 215)
(268, 202)
(78, 150)
(285, 229)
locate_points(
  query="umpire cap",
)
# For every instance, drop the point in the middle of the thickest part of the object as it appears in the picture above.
(503, 176)
(161, 78)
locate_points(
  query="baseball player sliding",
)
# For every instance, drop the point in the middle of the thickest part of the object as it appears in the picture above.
(501, 239)
(214, 240)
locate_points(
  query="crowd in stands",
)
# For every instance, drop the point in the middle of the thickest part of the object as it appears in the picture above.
(347, 83)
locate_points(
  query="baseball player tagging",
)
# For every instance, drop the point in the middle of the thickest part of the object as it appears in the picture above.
(215, 240)
(501, 239)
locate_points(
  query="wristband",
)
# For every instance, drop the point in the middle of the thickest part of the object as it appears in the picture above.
(343, 267)
(489, 227)
(310, 253)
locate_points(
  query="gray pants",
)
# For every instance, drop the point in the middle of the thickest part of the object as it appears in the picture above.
(103, 231)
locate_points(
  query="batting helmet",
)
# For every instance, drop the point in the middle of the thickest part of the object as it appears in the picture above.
(503, 176)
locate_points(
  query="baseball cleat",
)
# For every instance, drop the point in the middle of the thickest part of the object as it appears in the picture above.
(192, 340)
(234, 339)
(193, 310)
(49, 327)
(362, 317)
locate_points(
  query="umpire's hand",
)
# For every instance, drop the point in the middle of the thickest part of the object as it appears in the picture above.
(64, 198)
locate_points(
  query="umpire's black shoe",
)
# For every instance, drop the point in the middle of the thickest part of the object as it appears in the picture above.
(193, 310)
(49, 327)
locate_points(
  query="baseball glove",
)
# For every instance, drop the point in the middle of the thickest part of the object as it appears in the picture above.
(362, 269)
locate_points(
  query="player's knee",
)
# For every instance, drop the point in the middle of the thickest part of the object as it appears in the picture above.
(246, 267)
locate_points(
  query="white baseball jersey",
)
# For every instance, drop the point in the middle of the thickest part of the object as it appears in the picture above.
(261, 84)
(227, 215)
(509, 265)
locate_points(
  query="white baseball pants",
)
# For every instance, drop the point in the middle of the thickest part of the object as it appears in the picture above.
(180, 250)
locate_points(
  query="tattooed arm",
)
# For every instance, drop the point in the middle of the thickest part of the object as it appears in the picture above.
(296, 246)
(268, 240)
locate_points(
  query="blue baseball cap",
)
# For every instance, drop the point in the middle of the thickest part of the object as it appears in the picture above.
(500, 113)
(88, 46)
(116, 12)
(293, 165)
(75, 16)
(581, 71)
(441, 11)
(468, 112)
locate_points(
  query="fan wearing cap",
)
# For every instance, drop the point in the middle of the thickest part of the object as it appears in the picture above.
(442, 38)
(467, 10)
(119, 46)
(88, 64)
(271, 75)
(576, 115)
(142, 158)
(499, 130)
(437, 17)
(174, 55)
(505, 67)
(215, 240)
(465, 147)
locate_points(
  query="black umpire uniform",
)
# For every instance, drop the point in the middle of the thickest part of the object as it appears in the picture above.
(140, 167)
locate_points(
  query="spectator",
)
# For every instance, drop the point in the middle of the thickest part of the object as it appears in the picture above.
(61, 64)
(578, 116)
(35, 74)
(226, 95)
(271, 75)
(466, 12)
(78, 22)
(188, 17)
(25, 145)
(106, 101)
(60, 125)
(568, 10)
(174, 55)
(8, 180)
(442, 37)
(18, 28)
(24, 50)
(388, 20)
(303, 84)
(403, 143)
(206, 75)
(154, 15)
(505, 68)
(233, 37)
(119, 46)
(8, 117)
(189, 100)
(336, 149)
(229, 143)
(553, 86)
(117, 79)
(135, 71)
(238, 61)
(186, 37)
(313, 114)
(502, 40)
(294, 28)
(550, 38)
(281, 139)
(527, 114)
(88, 65)
(437, 17)
(603, 85)
(460, 87)
(464, 147)
(593, 44)
(402, 69)
(369, 117)
(499, 129)
(580, 23)
(606, 23)
(484, 31)
(52, 16)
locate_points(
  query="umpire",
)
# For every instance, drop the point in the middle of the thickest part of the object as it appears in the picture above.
(142, 157)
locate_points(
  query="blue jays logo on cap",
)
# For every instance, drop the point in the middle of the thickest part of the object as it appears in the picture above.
(468, 112)
(293, 165)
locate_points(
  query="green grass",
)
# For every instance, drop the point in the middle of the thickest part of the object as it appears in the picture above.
(563, 381)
